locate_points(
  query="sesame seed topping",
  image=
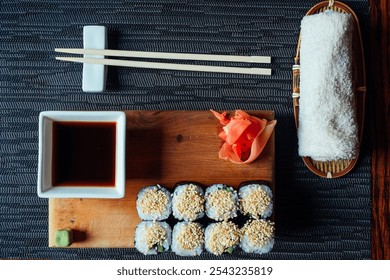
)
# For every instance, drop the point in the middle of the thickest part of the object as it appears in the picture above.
(223, 203)
(259, 232)
(255, 203)
(223, 236)
(155, 235)
(190, 203)
(191, 236)
(153, 201)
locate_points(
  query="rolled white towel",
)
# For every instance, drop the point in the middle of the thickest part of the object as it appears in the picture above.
(327, 114)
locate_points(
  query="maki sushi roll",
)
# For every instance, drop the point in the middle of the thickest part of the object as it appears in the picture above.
(187, 239)
(152, 237)
(255, 201)
(221, 202)
(222, 237)
(188, 202)
(154, 203)
(257, 236)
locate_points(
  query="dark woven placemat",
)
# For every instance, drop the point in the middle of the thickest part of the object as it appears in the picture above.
(315, 218)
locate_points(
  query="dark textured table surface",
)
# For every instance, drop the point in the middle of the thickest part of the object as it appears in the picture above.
(315, 218)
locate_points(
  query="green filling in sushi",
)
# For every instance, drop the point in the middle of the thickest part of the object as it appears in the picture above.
(152, 237)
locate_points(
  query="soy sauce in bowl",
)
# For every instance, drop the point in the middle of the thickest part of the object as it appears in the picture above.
(84, 154)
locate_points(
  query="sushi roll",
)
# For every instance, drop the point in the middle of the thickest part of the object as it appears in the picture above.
(188, 202)
(187, 239)
(257, 236)
(222, 237)
(154, 203)
(152, 237)
(221, 202)
(255, 201)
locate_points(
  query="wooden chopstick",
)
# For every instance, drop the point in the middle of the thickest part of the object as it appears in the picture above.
(164, 55)
(168, 66)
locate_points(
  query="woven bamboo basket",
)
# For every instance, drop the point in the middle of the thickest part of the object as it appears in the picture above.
(336, 168)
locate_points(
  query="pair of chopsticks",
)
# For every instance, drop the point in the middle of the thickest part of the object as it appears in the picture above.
(168, 66)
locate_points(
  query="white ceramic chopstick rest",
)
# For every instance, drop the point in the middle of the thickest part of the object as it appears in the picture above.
(94, 75)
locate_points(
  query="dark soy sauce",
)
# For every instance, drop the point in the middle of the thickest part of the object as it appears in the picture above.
(84, 154)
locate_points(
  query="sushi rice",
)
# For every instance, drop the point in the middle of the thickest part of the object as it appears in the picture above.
(188, 202)
(222, 237)
(154, 203)
(255, 201)
(188, 239)
(257, 236)
(221, 202)
(152, 237)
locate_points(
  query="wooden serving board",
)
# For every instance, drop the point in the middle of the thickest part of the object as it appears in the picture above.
(162, 147)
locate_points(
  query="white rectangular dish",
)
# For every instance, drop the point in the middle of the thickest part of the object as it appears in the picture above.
(47, 187)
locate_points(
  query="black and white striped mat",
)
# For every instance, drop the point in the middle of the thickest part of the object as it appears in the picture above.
(315, 218)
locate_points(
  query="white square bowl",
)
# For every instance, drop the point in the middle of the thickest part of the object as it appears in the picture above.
(45, 185)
